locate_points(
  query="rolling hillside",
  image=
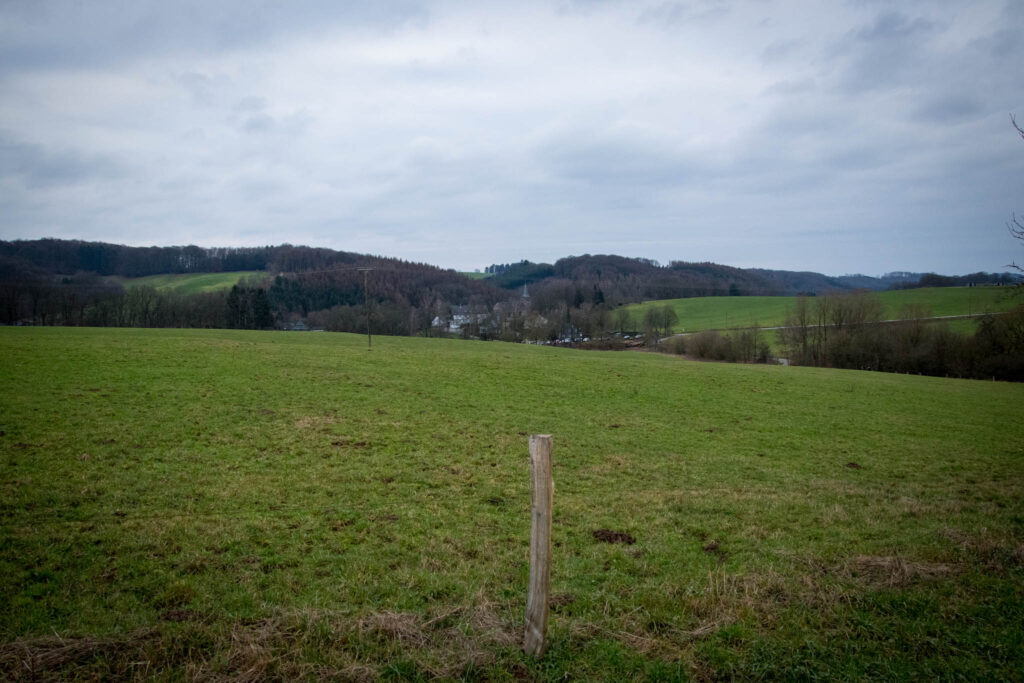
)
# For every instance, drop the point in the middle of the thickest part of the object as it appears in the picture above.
(190, 283)
(703, 313)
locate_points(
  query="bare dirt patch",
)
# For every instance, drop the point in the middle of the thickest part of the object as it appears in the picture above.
(715, 548)
(180, 615)
(560, 600)
(347, 443)
(609, 536)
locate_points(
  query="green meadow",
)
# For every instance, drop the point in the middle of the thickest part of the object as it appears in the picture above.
(209, 504)
(191, 283)
(723, 312)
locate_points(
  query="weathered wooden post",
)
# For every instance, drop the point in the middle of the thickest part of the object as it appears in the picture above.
(540, 544)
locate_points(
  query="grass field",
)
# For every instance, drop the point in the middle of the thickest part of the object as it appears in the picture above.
(705, 313)
(191, 283)
(227, 504)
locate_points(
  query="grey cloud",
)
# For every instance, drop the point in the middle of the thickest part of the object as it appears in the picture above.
(203, 89)
(788, 88)
(585, 6)
(800, 119)
(258, 123)
(1004, 45)
(672, 14)
(892, 27)
(251, 115)
(572, 131)
(251, 104)
(885, 53)
(291, 125)
(69, 33)
(618, 162)
(462, 71)
(804, 146)
(39, 167)
(948, 109)
(779, 51)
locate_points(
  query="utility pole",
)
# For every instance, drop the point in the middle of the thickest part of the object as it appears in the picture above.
(366, 305)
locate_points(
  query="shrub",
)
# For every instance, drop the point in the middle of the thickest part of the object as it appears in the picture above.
(676, 345)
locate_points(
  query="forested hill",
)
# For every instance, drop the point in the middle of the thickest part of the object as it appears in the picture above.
(616, 280)
(68, 257)
(51, 281)
(68, 282)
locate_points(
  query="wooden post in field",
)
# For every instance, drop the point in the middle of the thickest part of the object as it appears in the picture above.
(540, 544)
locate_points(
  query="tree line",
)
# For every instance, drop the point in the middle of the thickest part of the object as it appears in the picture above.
(68, 257)
(846, 331)
(86, 300)
(63, 282)
(970, 280)
(68, 282)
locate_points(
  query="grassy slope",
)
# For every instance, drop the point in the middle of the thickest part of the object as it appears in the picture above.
(704, 313)
(192, 283)
(224, 503)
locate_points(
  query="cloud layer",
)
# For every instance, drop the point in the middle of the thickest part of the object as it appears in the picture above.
(858, 137)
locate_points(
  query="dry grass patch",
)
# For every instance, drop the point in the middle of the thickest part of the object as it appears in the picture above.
(35, 659)
(316, 422)
(725, 599)
(291, 646)
(895, 571)
(441, 645)
(996, 553)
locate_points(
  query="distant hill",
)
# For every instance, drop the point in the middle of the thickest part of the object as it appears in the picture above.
(68, 282)
(616, 279)
(935, 280)
(53, 281)
(68, 257)
(622, 279)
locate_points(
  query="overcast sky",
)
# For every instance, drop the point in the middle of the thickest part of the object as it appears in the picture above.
(841, 137)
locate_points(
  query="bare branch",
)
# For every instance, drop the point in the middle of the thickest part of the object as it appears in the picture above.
(1016, 226)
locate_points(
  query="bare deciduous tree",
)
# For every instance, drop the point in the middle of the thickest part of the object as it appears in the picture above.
(1016, 225)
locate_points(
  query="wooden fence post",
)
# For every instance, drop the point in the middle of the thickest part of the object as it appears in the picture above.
(540, 544)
